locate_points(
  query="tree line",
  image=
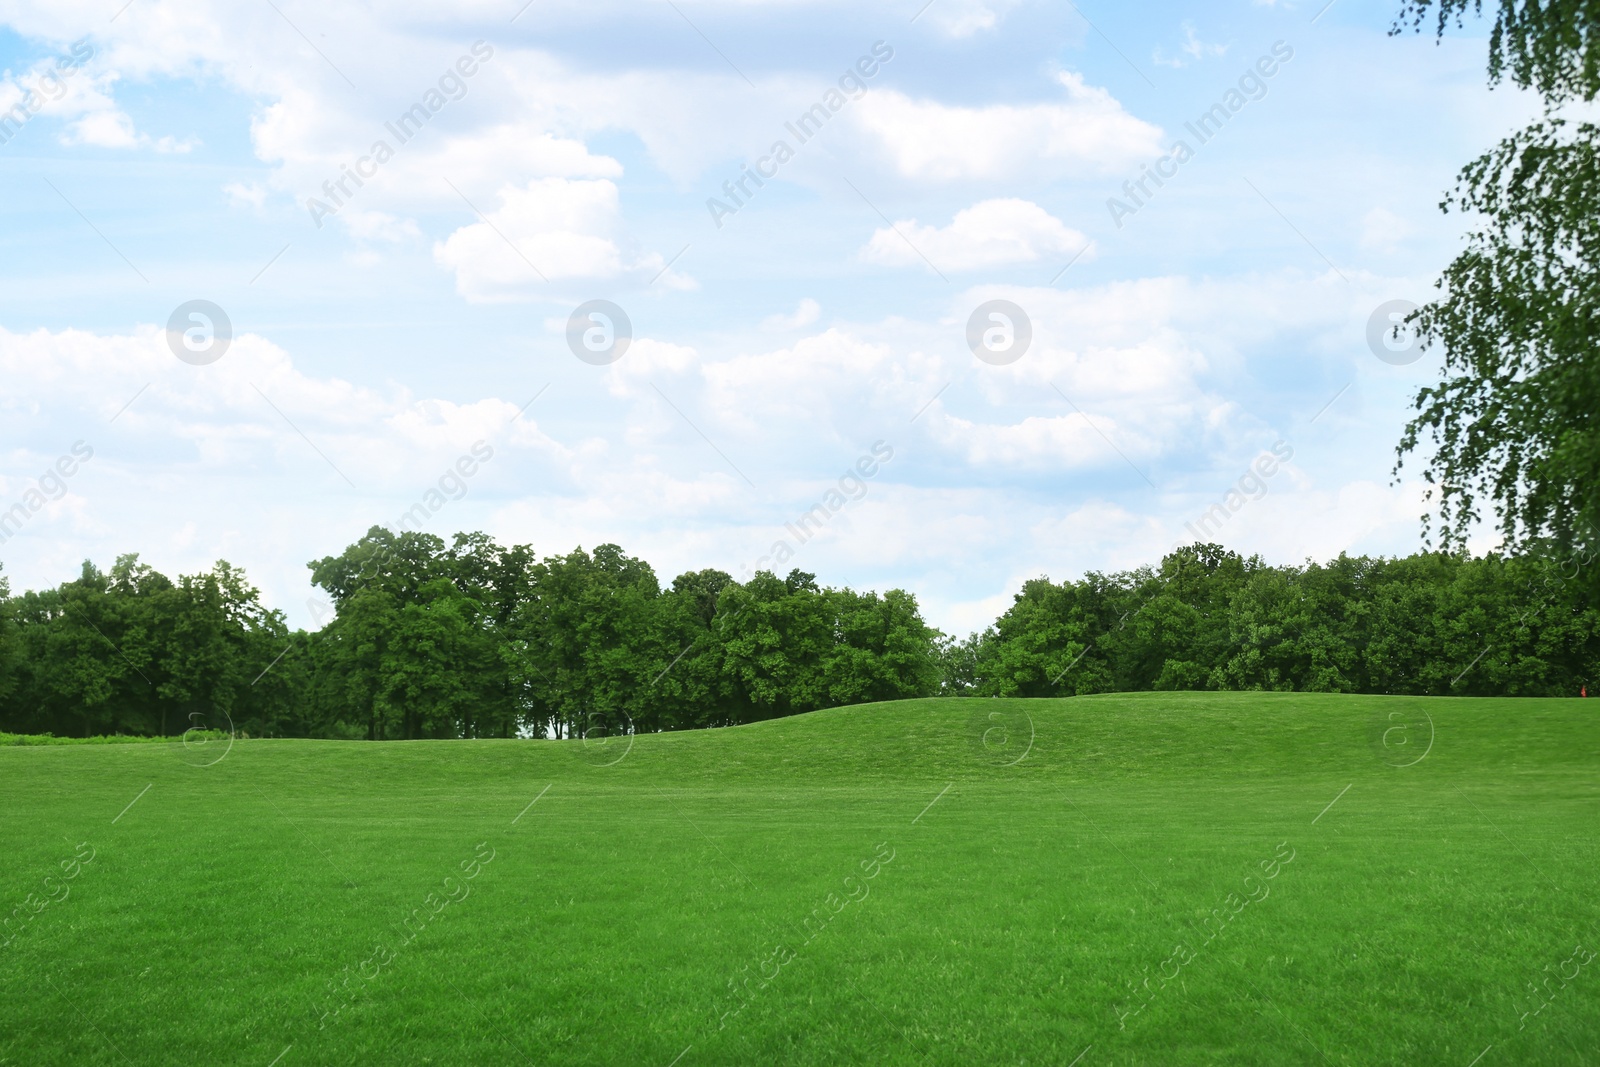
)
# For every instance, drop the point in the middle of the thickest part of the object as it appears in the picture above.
(1430, 624)
(474, 639)
(469, 639)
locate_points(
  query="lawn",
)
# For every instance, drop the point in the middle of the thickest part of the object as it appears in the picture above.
(1135, 879)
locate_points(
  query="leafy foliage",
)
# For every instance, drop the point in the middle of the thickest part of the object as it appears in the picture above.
(131, 652)
(477, 640)
(1208, 619)
(1517, 418)
(467, 640)
(1514, 422)
(1549, 45)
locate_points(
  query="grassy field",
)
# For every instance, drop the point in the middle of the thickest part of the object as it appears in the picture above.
(1140, 879)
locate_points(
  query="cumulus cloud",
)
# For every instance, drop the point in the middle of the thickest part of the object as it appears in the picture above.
(804, 315)
(111, 128)
(71, 90)
(246, 194)
(1072, 439)
(647, 360)
(531, 113)
(251, 404)
(991, 233)
(825, 378)
(1088, 133)
(553, 228)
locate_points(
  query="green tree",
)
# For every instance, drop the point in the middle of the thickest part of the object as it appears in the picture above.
(436, 652)
(398, 564)
(790, 646)
(9, 640)
(498, 580)
(582, 652)
(882, 650)
(1046, 642)
(214, 640)
(349, 658)
(1549, 45)
(775, 643)
(130, 651)
(689, 687)
(87, 654)
(1175, 632)
(1515, 422)
(1296, 630)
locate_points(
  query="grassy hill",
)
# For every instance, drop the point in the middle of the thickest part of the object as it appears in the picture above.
(1150, 878)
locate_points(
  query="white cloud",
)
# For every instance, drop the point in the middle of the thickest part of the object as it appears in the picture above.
(804, 315)
(1068, 440)
(646, 360)
(111, 128)
(233, 412)
(528, 114)
(963, 18)
(1090, 133)
(991, 233)
(551, 229)
(379, 226)
(67, 90)
(822, 379)
(1193, 47)
(253, 194)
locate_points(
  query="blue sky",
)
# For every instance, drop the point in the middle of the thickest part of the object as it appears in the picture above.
(770, 353)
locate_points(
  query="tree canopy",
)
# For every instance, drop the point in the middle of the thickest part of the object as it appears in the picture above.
(1432, 624)
(474, 639)
(1552, 46)
(470, 639)
(1515, 423)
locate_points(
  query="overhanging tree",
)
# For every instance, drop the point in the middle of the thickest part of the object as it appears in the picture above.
(1515, 423)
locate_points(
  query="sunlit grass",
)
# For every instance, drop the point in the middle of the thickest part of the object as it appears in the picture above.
(900, 883)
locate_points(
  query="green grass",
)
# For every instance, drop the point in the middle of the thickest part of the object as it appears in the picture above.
(1010, 926)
